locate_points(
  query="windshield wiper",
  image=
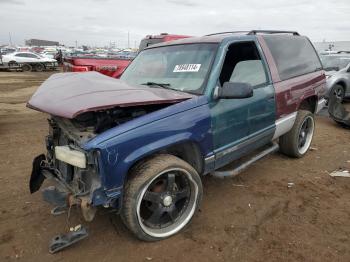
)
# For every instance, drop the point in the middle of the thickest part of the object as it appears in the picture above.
(163, 85)
(166, 86)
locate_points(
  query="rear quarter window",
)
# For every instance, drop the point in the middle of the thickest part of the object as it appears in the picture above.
(294, 55)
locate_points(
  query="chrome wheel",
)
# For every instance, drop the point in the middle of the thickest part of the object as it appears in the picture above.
(338, 92)
(167, 203)
(305, 134)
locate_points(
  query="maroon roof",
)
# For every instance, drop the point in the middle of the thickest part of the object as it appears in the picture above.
(215, 38)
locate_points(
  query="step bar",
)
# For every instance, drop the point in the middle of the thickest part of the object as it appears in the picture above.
(234, 172)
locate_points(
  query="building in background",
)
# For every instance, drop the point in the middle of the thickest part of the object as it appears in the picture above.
(38, 42)
(332, 46)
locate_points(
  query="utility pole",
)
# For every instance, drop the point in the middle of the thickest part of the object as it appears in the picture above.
(76, 44)
(128, 39)
(10, 38)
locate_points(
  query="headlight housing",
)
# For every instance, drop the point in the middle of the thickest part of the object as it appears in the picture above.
(70, 156)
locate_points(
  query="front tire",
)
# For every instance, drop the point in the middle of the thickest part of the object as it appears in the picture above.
(297, 141)
(337, 91)
(161, 197)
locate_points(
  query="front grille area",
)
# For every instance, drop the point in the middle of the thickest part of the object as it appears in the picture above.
(58, 138)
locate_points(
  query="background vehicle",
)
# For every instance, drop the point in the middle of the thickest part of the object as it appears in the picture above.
(108, 66)
(337, 67)
(113, 65)
(156, 39)
(29, 61)
(50, 55)
(141, 143)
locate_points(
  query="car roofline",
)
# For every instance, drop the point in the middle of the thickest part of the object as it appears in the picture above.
(216, 38)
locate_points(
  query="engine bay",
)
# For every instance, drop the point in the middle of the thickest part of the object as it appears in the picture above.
(89, 124)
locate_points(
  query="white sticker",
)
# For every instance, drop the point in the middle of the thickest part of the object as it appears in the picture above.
(187, 68)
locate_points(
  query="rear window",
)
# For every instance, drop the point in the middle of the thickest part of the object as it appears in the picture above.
(294, 55)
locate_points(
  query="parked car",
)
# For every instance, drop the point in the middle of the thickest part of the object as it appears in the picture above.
(141, 144)
(337, 67)
(29, 61)
(50, 54)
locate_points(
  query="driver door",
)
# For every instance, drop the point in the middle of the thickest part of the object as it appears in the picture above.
(241, 125)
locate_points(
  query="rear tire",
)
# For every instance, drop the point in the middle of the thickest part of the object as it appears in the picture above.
(161, 197)
(297, 141)
(26, 68)
(39, 67)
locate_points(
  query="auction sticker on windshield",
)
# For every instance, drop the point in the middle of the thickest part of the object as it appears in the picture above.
(187, 68)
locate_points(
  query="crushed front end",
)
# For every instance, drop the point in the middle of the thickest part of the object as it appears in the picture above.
(74, 171)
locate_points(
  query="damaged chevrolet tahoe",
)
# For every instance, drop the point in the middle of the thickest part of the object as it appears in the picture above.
(181, 110)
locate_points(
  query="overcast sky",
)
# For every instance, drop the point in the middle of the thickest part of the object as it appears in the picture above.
(99, 22)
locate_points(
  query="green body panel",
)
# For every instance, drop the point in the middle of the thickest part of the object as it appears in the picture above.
(240, 125)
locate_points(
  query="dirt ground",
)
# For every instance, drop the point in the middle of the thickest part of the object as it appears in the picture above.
(253, 217)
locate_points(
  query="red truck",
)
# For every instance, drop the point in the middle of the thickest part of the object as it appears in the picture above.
(113, 67)
(107, 66)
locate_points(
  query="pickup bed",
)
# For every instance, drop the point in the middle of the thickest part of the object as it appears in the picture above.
(113, 67)
(108, 66)
(140, 144)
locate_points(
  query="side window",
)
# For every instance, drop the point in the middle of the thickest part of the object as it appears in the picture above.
(243, 64)
(21, 55)
(32, 56)
(294, 55)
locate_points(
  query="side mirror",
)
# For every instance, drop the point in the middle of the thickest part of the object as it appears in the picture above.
(235, 90)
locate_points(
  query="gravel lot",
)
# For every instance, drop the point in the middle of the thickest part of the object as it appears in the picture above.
(253, 217)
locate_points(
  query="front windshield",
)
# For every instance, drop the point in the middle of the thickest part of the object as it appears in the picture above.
(334, 63)
(179, 67)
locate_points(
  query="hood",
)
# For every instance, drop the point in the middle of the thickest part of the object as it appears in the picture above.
(334, 72)
(71, 94)
(330, 73)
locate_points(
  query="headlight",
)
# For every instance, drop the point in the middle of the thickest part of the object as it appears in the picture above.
(72, 157)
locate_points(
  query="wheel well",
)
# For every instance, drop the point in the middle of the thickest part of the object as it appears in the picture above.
(309, 103)
(187, 151)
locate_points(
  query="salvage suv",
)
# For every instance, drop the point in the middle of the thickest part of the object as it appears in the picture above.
(140, 144)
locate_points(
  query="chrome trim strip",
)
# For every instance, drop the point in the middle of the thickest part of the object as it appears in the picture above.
(284, 124)
(210, 159)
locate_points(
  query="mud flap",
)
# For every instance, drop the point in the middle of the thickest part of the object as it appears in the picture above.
(338, 112)
(62, 241)
(37, 178)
